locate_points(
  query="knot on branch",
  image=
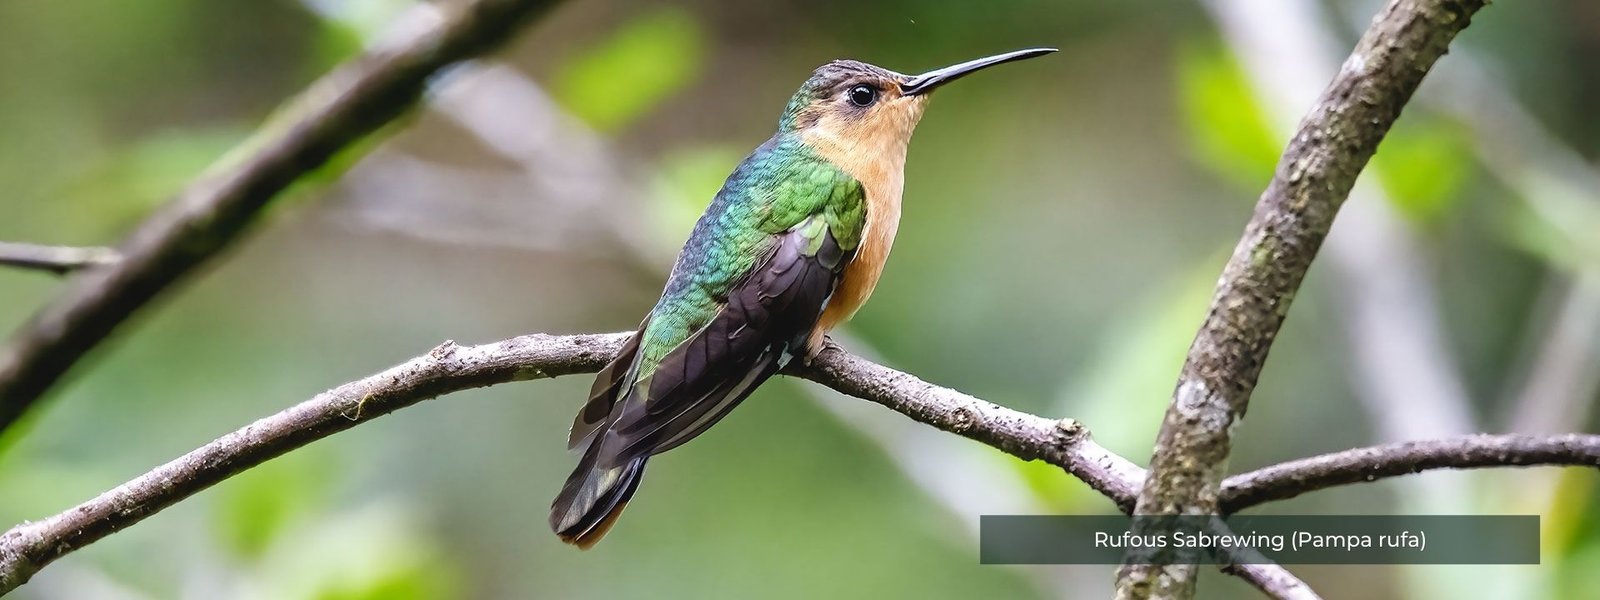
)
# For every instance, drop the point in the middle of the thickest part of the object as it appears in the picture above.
(1071, 431)
(444, 351)
(962, 419)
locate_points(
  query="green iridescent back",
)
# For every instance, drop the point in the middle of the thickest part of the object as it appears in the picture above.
(779, 186)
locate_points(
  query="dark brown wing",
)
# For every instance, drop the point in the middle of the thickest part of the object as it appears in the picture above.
(608, 383)
(628, 418)
(766, 317)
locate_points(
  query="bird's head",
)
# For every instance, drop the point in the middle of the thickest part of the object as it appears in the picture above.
(854, 106)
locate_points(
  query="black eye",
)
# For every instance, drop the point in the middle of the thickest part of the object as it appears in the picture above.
(863, 95)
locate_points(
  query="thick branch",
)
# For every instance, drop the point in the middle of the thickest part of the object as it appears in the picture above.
(346, 105)
(1291, 220)
(1290, 479)
(59, 260)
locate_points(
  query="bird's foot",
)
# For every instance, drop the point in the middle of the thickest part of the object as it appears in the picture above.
(815, 349)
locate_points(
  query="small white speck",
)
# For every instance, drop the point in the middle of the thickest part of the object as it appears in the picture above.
(1356, 64)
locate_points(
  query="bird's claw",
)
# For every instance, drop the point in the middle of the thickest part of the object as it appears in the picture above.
(815, 351)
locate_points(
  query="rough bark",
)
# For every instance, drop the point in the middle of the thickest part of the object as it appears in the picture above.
(1291, 219)
(28, 547)
(1290, 479)
(449, 368)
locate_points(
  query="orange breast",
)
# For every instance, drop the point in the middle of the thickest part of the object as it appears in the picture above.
(874, 152)
(861, 275)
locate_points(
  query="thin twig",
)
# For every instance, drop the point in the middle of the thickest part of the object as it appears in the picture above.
(1290, 479)
(1272, 580)
(343, 107)
(59, 260)
(1064, 443)
(1291, 220)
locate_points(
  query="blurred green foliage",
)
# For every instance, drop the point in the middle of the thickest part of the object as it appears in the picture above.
(646, 60)
(1226, 126)
(372, 553)
(259, 504)
(1423, 164)
(1064, 224)
(685, 178)
(124, 186)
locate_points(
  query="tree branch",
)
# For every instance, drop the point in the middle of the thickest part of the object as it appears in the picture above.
(449, 368)
(1064, 443)
(59, 260)
(1272, 580)
(341, 108)
(1291, 220)
(1290, 479)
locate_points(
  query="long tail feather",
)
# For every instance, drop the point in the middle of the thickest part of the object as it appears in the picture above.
(593, 498)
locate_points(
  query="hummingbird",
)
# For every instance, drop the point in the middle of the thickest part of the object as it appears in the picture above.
(789, 248)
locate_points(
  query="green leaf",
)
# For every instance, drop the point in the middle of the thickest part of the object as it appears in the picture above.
(1049, 485)
(258, 504)
(1423, 164)
(1226, 127)
(377, 552)
(643, 63)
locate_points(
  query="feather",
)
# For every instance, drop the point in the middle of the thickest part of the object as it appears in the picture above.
(695, 385)
(593, 498)
(707, 375)
(745, 294)
(603, 394)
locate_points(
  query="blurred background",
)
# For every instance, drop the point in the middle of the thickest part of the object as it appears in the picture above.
(1065, 221)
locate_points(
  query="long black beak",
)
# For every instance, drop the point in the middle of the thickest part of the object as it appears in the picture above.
(926, 82)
